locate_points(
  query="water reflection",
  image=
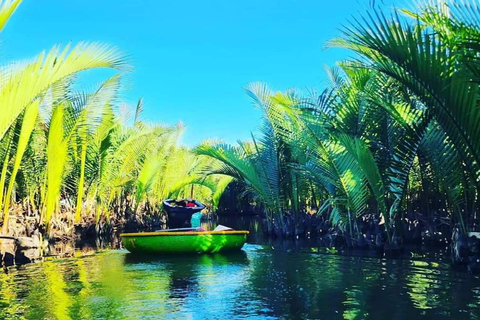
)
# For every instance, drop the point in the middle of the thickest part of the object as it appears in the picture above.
(230, 258)
(256, 283)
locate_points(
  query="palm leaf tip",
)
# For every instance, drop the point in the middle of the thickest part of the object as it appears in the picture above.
(7, 8)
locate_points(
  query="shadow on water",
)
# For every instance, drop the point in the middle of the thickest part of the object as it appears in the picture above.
(179, 261)
(184, 270)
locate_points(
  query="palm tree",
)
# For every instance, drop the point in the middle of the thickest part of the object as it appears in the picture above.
(28, 86)
(407, 103)
(434, 61)
(69, 154)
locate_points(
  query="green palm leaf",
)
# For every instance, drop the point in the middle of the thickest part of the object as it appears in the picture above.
(23, 85)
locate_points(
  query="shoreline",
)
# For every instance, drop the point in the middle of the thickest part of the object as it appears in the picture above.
(17, 253)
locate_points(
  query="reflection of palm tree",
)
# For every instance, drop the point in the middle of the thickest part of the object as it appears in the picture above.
(313, 286)
(10, 304)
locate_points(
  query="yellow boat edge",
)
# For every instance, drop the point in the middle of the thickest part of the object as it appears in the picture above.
(183, 233)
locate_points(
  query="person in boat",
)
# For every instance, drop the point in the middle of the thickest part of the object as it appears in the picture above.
(181, 203)
(186, 203)
(196, 220)
(190, 203)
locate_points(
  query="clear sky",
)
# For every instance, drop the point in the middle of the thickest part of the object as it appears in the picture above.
(192, 59)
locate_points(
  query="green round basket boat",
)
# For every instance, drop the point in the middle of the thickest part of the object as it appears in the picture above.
(184, 242)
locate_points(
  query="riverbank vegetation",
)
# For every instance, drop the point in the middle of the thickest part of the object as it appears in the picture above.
(390, 151)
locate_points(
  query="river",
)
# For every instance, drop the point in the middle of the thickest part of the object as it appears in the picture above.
(260, 282)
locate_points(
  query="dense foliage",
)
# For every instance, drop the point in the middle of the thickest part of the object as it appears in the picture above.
(394, 139)
(68, 156)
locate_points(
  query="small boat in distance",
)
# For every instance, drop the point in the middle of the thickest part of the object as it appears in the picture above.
(181, 242)
(181, 238)
(180, 211)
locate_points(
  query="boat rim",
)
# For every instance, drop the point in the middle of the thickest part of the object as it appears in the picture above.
(188, 233)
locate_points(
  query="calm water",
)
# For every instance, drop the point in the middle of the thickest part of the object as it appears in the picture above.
(281, 280)
(257, 283)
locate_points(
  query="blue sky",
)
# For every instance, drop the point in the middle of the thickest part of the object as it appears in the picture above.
(192, 59)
